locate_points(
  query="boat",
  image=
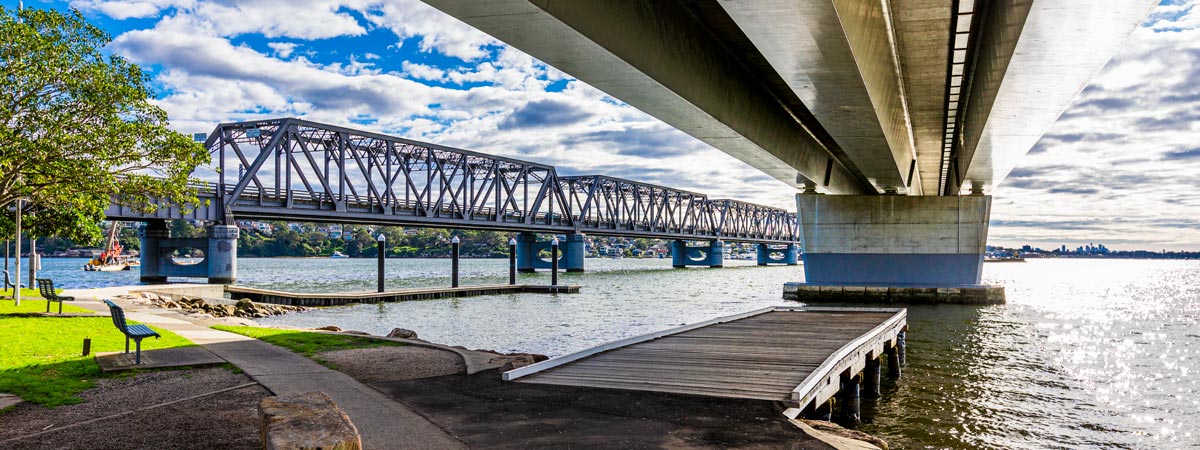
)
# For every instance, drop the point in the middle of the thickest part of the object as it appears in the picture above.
(113, 258)
(338, 255)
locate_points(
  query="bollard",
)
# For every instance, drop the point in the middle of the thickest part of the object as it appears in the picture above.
(454, 262)
(380, 250)
(512, 261)
(87, 346)
(871, 377)
(849, 399)
(554, 262)
(893, 362)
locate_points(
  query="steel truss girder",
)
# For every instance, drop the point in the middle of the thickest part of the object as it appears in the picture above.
(294, 169)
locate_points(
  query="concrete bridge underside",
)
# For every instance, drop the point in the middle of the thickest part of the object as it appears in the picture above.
(919, 98)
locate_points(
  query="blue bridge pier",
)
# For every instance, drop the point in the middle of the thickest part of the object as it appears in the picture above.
(771, 254)
(219, 246)
(710, 255)
(529, 249)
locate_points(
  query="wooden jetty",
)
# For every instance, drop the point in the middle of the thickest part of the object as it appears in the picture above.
(428, 293)
(800, 356)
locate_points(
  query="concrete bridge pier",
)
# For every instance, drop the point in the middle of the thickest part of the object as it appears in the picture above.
(684, 256)
(893, 240)
(220, 254)
(789, 255)
(571, 253)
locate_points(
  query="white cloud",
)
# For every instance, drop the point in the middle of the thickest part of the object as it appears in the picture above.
(122, 10)
(423, 72)
(437, 31)
(283, 49)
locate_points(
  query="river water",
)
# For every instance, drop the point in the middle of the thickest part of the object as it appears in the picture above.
(1086, 354)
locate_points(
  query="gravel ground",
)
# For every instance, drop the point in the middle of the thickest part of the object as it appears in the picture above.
(382, 364)
(228, 420)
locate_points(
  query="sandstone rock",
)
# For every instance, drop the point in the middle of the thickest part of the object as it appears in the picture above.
(245, 303)
(838, 430)
(329, 328)
(515, 362)
(308, 421)
(402, 333)
(227, 310)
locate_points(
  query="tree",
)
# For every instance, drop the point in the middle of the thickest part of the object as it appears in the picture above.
(79, 130)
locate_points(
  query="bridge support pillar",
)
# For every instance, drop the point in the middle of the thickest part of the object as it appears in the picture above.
(152, 236)
(684, 256)
(219, 247)
(894, 241)
(571, 253)
(789, 255)
(222, 254)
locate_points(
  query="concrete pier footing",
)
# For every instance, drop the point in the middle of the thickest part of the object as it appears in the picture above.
(966, 295)
(529, 249)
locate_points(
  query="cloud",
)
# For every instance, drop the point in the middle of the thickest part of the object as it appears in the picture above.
(122, 10)
(1189, 154)
(423, 72)
(282, 49)
(544, 113)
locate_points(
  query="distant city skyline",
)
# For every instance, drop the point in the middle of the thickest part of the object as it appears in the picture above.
(1119, 166)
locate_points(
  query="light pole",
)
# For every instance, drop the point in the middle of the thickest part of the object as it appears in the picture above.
(454, 243)
(17, 260)
(380, 249)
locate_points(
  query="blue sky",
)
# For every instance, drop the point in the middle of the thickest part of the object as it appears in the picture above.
(1121, 166)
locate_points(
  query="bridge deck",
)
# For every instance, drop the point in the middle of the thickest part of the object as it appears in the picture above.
(788, 354)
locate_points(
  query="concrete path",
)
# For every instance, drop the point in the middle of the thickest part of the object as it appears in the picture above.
(382, 422)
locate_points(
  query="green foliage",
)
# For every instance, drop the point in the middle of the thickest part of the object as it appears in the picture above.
(40, 357)
(77, 127)
(305, 342)
(401, 242)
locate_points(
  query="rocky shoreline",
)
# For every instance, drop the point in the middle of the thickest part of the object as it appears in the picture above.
(243, 308)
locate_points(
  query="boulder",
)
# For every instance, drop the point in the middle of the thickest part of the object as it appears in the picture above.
(308, 421)
(329, 328)
(244, 303)
(514, 362)
(226, 310)
(402, 333)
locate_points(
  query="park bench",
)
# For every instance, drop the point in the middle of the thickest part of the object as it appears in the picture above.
(46, 286)
(8, 284)
(135, 332)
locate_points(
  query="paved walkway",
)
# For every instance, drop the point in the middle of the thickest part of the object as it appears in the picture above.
(382, 422)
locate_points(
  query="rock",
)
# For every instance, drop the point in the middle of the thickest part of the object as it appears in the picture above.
(329, 328)
(514, 362)
(361, 333)
(245, 303)
(402, 333)
(839, 431)
(308, 421)
(227, 310)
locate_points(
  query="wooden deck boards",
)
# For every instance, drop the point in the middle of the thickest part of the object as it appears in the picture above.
(764, 356)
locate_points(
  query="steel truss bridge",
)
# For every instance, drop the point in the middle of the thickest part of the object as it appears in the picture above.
(292, 169)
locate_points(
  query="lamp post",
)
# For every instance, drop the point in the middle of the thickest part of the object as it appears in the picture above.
(512, 261)
(454, 243)
(380, 249)
(554, 262)
(17, 259)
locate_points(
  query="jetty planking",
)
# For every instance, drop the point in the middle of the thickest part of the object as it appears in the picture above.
(794, 355)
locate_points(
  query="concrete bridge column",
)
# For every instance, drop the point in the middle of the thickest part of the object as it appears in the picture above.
(526, 253)
(893, 240)
(152, 236)
(788, 255)
(683, 256)
(222, 254)
(571, 251)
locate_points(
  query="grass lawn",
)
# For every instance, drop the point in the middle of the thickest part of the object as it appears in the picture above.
(305, 342)
(40, 357)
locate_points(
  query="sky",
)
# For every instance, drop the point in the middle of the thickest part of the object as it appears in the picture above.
(1120, 167)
